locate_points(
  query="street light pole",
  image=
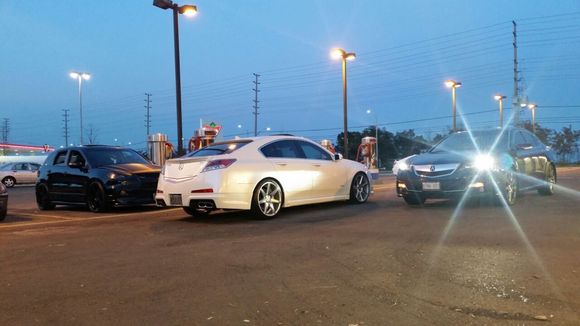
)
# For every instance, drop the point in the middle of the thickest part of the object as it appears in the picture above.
(188, 10)
(80, 76)
(177, 80)
(344, 56)
(500, 99)
(453, 85)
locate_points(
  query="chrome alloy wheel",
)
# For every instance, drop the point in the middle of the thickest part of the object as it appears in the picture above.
(269, 198)
(360, 188)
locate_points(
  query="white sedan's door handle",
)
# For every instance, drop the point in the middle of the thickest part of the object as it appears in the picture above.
(281, 163)
(316, 164)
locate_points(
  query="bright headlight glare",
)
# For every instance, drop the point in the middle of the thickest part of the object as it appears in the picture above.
(403, 166)
(484, 162)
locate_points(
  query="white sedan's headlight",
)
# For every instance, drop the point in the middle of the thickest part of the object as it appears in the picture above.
(484, 162)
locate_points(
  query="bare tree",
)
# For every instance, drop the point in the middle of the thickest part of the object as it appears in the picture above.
(93, 135)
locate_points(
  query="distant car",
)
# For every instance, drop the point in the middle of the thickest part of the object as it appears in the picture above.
(99, 176)
(3, 201)
(18, 173)
(486, 162)
(261, 174)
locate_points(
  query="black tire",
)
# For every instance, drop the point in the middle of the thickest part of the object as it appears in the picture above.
(268, 199)
(3, 214)
(194, 212)
(510, 188)
(414, 199)
(96, 200)
(549, 181)
(360, 189)
(43, 198)
(9, 182)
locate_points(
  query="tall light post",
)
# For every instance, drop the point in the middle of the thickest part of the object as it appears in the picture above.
(80, 76)
(340, 54)
(376, 136)
(453, 85)
(500, 99)
(189, 11)
(533, 106)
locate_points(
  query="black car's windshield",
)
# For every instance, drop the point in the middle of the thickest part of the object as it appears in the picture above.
(463, 141)
(219, 149)
(112, 156)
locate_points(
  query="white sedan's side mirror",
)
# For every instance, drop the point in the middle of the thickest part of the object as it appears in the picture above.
(337, 156)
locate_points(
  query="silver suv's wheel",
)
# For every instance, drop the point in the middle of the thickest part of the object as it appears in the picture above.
(510, 190)
(267, 199)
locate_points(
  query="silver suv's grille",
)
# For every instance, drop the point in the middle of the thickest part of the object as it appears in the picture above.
(435, 170)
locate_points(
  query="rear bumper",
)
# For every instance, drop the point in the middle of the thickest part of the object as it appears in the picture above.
(224, 195)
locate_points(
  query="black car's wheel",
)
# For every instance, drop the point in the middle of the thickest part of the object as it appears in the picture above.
(360, 189)
(547, 188)
(194, 212)
(267, 199)
(96, 200)
(414, 199)
(510, 188)
(43, 198)
(9, 182)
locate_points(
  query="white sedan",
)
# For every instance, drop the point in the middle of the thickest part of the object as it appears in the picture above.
(262, 174)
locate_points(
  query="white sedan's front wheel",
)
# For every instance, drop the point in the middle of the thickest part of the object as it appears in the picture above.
(267, 199)
(360, 189)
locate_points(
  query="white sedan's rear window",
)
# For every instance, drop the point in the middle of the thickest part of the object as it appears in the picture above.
(219, 149)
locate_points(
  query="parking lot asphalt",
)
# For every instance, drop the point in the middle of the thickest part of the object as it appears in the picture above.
(380, 263)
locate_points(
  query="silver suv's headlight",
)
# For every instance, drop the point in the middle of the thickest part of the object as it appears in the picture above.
(484, 162)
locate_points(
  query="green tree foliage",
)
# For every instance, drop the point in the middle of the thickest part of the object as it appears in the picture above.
(564, 142)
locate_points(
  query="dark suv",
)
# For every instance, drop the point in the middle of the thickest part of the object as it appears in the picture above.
(98, 176)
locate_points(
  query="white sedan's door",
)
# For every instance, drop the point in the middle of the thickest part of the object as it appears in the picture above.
(292, 170)
(328, 176)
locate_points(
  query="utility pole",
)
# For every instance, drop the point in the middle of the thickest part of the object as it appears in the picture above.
(516, 98)
(65, 120)
(5, 130)
(255, 89)
(148, 114)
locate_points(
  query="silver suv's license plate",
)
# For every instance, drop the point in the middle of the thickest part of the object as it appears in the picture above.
(175, 199)
(430, 186)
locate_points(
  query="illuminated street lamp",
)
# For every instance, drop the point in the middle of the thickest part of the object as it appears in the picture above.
(189, 11)
(533, 106)
(453, 85)
(340, 54)
(376, 136)
(500, 99)
(80, 76)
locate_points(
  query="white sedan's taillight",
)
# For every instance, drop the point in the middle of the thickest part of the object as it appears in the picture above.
(218, 164)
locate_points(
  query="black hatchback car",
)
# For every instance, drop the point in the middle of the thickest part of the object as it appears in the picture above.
(491, 162)
(99, 176)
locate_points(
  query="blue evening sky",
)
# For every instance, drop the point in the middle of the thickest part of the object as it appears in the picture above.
(405, 50)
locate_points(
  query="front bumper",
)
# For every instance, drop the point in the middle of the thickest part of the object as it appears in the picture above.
(450, 186)
(131, 191)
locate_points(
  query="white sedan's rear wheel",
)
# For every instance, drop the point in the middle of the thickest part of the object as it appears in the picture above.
(267, 199)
